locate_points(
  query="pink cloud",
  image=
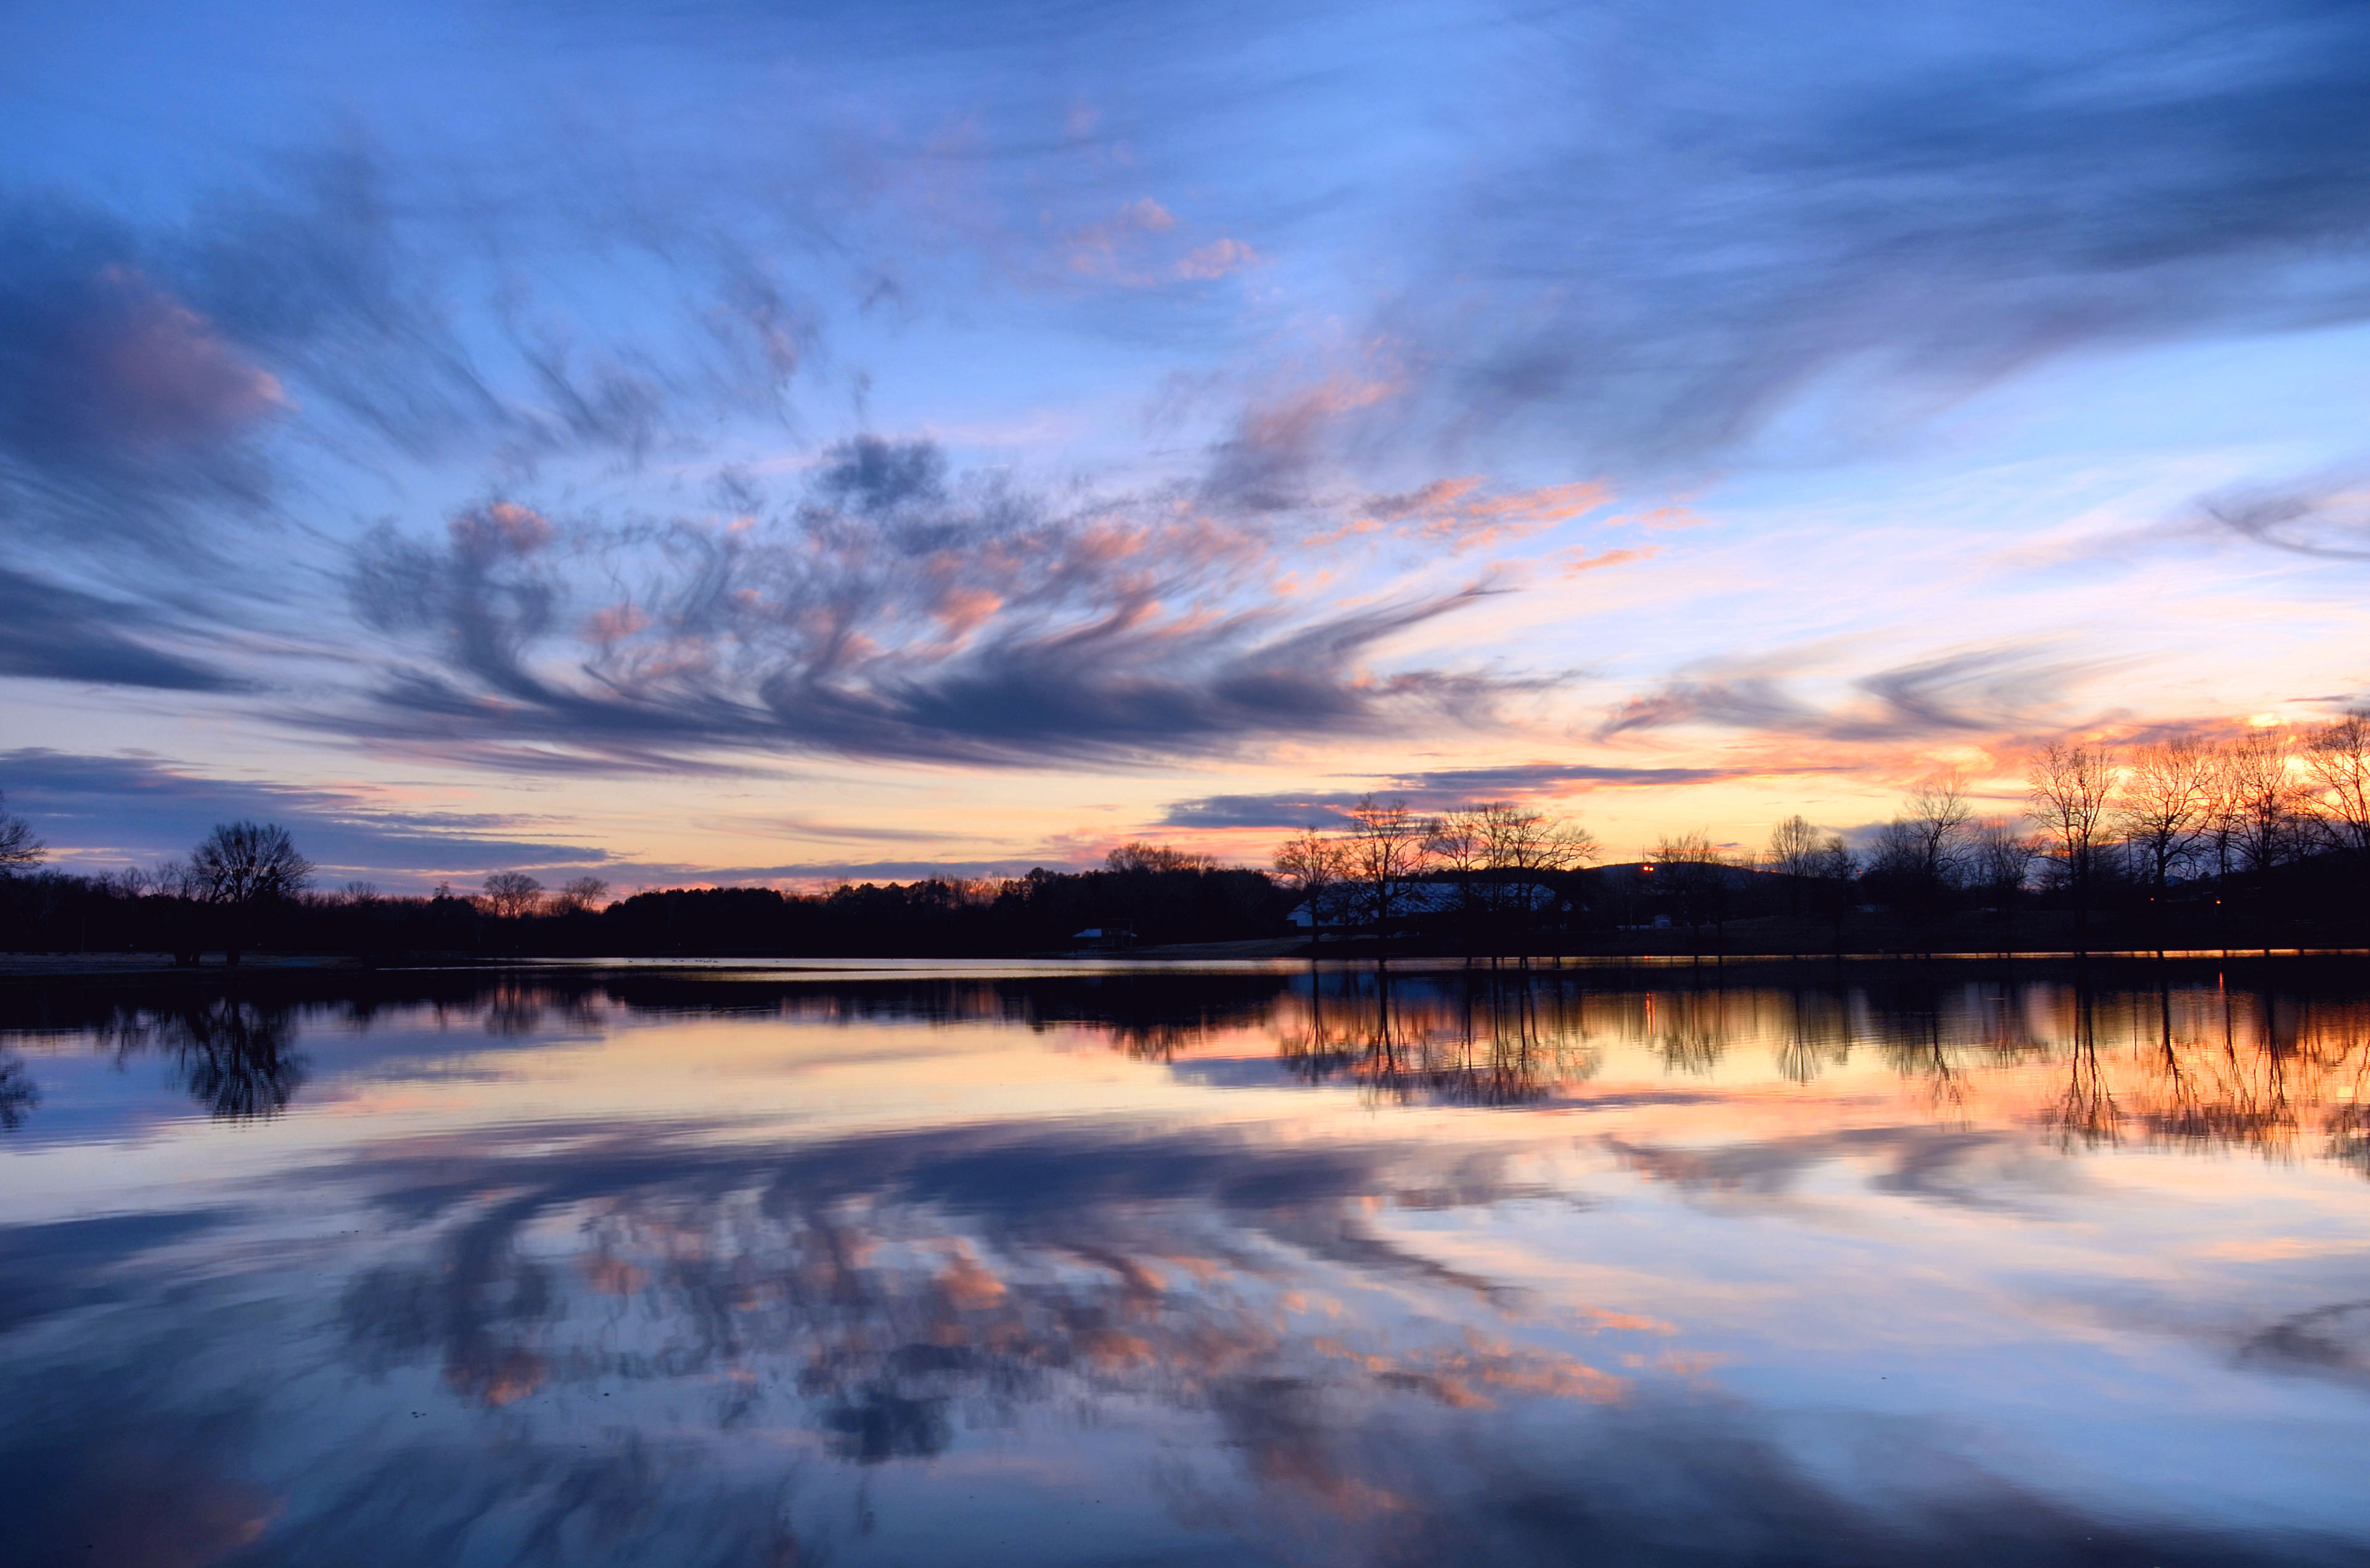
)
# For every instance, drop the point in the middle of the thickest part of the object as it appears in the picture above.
(1126, 249)
(1578, 561)
(147, 368)
(1216, 259)
(499, 527)
(1464, 514)
(1096, 250)
(614, 623)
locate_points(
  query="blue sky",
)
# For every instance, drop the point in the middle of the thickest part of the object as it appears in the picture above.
(717, 442)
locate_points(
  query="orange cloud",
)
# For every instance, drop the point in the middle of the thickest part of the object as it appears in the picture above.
(1578, 561)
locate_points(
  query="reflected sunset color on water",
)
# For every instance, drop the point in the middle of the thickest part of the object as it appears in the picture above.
(1956, 1264)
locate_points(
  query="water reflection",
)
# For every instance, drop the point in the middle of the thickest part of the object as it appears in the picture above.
(2184, 1060)
(1486, 1038)
(2188, 1059)
(17, 1095)
(235, 1056)
(1280, 1267)
(2189, 1063)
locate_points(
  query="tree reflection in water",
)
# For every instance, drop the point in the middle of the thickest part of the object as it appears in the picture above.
(235, 1057)
(18, 1093)
(1360, 1338)
(2195, 1065)
(1483, 1037)
(2188, 1059)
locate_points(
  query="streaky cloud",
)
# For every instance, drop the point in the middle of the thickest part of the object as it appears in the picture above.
(48, 632)
(1691, 219)
(1974, 692)
(183, 383)
(142, 808)
(894, 610)
(2326, 515)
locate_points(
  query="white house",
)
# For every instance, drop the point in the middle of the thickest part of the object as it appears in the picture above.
(1351, 904)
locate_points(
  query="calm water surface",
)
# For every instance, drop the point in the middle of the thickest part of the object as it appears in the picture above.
(944, 1265)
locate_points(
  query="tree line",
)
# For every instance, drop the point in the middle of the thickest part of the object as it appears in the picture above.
(2182, 839)
(214, 897)
(2181, 835)
(2184, 835)
(247, 888)
(1505, 867)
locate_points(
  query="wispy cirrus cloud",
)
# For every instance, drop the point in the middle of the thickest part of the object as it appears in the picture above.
(2326, 515)
(48, 632)
(1696, 217)
(894, 610)
(170, 377)
(1971, 694)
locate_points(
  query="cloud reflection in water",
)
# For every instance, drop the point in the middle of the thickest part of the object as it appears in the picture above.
(1440, 1268)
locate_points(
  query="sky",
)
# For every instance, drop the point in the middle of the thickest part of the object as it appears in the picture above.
(713, 442)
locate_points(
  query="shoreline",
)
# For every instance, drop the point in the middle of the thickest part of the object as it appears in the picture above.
(149, 969)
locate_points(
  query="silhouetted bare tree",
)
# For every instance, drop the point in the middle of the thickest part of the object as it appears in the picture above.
(1386, 856)
(18, 848)
(1316, 867)
(1795, 847)
(510, 894)
(1939, 815)
(1919, 858)
(241, 864)
(1496, 850)
(1695, 877)
(1522, 839)
(1525, 845)
(1141, 856)
(2268, 803)
(577, 893)
(173, 879)
(2164, 804)
(1897, 866)
(2217, 836)
(2337, 760)
(1459, 844)
(2070, 789)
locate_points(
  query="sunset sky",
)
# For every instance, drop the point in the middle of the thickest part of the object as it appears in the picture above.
(717, 442)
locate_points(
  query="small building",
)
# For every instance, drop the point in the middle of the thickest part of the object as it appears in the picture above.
(1104, 938)
(1352, 905)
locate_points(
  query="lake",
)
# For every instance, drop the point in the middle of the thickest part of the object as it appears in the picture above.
(930, 1264)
